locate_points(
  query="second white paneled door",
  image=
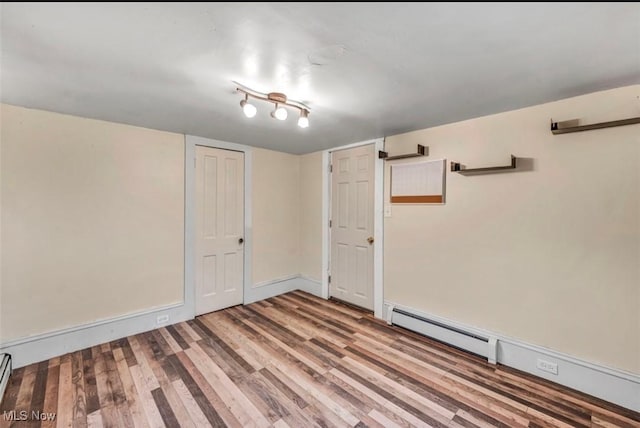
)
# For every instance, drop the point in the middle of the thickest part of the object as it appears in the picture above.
(219, 228)
(352, 240)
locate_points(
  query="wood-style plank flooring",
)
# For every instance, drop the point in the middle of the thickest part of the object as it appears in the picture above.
(292, 360)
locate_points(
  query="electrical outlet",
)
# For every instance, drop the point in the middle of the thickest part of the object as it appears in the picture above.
(162, 319)
(547, 366)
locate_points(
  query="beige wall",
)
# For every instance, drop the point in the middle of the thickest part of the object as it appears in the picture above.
(91, 220)
(550, 256)
(287, 215)
(276, 215)
(311, 215)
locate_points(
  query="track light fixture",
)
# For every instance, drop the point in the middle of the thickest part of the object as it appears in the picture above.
(279, 99)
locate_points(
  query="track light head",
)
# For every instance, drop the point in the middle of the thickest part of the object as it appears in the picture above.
(249, 109)
(303, 120)
(279, 113)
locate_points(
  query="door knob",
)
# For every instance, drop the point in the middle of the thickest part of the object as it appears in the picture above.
(370, 240)
(240, 241)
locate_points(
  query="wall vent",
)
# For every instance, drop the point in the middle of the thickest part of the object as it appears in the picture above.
(5, 372)
(452, 335)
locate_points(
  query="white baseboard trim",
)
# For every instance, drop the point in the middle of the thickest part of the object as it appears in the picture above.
(33, 349)
(310, 285)
(275, 280)
(266, 289)
(613, 385)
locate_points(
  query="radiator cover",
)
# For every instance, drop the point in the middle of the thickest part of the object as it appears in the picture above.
(478, 344)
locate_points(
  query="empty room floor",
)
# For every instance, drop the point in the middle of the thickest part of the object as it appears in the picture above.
(293, 360)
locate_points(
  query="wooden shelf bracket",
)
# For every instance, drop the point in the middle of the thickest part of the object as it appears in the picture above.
(422, 151)
(572, 125)
(457, 167)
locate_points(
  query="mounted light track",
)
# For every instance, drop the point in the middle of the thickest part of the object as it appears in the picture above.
(279, 99)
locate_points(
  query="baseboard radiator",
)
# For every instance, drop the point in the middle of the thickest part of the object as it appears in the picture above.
(451, 335)
(5, 372)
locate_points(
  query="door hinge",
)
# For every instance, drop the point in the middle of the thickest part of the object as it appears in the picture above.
(330, 168)
(330, 223)
(329, 279)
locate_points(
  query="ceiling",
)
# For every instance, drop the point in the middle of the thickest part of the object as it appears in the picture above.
(366, 70)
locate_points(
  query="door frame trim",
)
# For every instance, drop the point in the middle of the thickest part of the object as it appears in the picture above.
(191, 142)
(378, 222)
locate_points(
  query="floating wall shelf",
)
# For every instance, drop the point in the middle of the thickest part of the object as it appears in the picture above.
(456, 167)
(422, 151)
(566, 126)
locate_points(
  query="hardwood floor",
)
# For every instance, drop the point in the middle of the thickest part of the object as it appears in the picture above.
(292, 360)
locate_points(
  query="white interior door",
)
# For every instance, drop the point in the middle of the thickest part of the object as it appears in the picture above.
(219, 228)
(352, 240)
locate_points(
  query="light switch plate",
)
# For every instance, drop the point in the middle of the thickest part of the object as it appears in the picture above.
(387, 210)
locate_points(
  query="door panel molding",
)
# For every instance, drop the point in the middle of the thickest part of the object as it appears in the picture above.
(378, 285)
